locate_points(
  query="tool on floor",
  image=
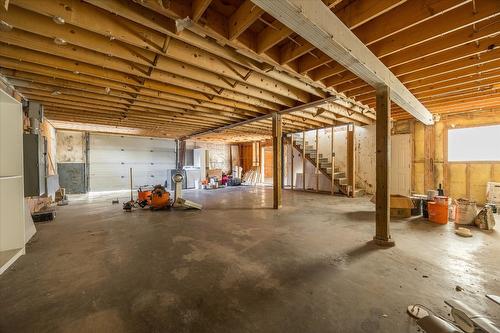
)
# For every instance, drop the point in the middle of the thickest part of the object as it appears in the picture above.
(180, 202)
(144, 197)
(160, 198)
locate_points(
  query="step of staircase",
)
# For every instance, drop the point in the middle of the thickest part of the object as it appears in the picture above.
(341, 181)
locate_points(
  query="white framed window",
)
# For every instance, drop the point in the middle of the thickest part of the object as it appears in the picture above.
(474, 144)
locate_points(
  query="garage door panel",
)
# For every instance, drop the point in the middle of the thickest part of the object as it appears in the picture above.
(111, 158)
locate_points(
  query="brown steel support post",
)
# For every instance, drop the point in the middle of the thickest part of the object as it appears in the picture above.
(383, 153)
(351, 160)
(277, 162)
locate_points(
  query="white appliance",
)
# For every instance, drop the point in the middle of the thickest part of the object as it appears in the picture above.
(12, 224)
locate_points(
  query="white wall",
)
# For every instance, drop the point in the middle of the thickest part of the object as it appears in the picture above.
(218, 154)
(70, 147)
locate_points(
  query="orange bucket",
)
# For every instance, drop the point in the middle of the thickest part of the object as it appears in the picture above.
(438, 212)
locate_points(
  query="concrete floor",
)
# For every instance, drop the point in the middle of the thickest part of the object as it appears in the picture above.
(239, 267)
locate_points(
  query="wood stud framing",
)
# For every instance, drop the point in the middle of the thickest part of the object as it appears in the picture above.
(221, 67)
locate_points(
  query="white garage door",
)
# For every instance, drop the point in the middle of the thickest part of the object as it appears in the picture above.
(111, 157)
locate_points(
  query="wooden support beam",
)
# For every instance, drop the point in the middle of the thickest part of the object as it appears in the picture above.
(271, 36)
(243, 18)
(383, 165)
(316, 23)
(277, 162)
(199, 7)
(429, 141)
(351, 160)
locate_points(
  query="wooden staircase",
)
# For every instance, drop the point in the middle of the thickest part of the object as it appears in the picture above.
(325, 166)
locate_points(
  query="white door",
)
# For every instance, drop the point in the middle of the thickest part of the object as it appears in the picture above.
(112, 156)
(401, 164)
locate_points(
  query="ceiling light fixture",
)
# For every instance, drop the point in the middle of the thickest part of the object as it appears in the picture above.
(4, 26)
(56, 93)
(60, 41)
(58, 20)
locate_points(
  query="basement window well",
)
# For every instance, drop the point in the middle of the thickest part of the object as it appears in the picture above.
(474, 144)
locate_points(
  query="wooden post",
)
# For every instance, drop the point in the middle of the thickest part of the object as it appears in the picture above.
(351, 160)
(333, 159)
(317, 161)
(429, 153)
(383, 164)
(277, 170)
(291, 163)
(303, 161)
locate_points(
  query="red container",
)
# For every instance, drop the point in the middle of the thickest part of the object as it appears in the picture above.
(438, 212)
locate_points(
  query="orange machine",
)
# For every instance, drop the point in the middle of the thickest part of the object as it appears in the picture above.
(144, 197)
(160, 198)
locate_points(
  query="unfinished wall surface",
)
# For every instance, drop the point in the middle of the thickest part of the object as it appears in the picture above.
(219, 156)
(49, 132)
(365, 158)
(459, 179)
(70, 147)
(70, 156)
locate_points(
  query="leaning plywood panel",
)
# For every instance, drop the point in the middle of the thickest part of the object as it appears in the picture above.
(11, 181)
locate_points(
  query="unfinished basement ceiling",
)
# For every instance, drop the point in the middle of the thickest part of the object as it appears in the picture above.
(151, 70)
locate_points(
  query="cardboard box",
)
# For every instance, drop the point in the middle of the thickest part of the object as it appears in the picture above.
(401, 205)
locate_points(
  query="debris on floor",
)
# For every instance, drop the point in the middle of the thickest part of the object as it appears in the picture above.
(464, 319)
(485, 219)
(464, 232)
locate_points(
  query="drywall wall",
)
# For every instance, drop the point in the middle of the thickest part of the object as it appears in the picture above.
(49, 132)
(70, 147)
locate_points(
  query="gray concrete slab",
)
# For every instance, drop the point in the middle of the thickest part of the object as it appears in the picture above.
(237, 266)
